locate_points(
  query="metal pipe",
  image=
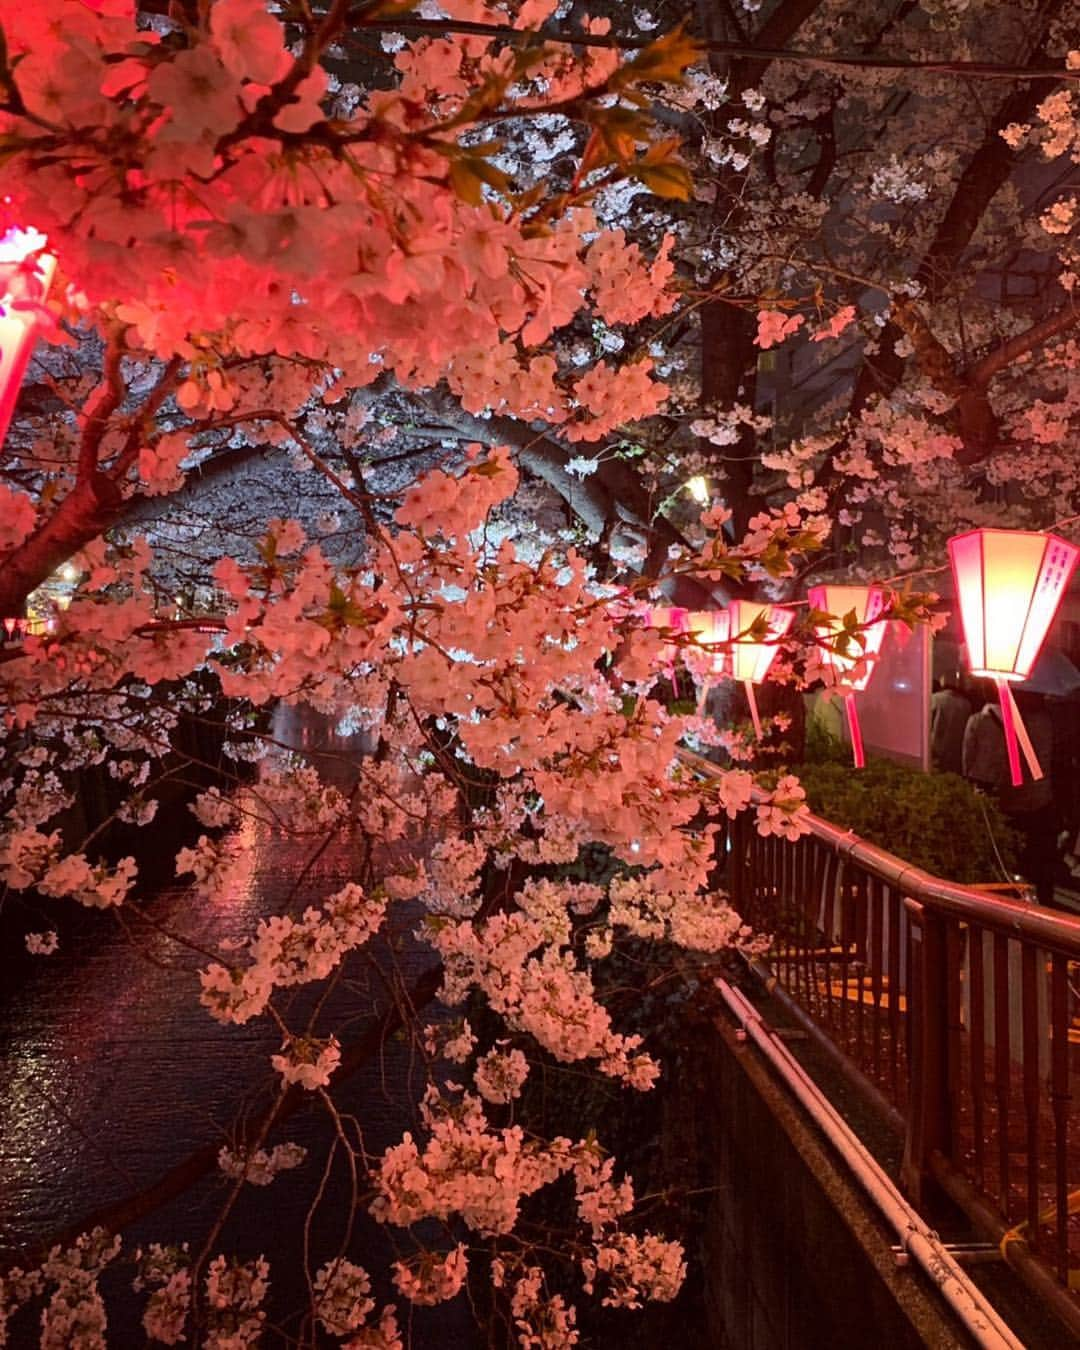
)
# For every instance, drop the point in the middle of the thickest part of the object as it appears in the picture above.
(1031, 1268)
(915, 1236)
(828, 1047)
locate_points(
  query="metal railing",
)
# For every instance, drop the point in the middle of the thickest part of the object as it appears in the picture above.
(958, 1011)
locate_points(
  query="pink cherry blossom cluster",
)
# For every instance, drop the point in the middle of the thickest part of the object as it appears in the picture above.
(785, 813)
(429, 1278)
(286, 952)
(74, 1314)
(542, 1321)
(308, 1061)
(235, 1291)
(165, 1272)
(634, 1268)
(499, 1075)
(465, 1169)
(342, 1304)
(261, 1166)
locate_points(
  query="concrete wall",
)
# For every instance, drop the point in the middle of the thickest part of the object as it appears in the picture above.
(793, 1256)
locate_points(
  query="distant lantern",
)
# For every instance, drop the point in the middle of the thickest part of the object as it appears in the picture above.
(752, 658)
(29, 273)
(854, 667)
(1009, 584)
(675, 618)
(711, 627)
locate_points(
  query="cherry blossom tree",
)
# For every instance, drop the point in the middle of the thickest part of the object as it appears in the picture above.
(319, 369)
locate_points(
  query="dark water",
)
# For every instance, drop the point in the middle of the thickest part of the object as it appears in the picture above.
(111, 1072)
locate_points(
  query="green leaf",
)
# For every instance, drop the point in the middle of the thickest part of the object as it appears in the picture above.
(466, 182)
(663, 61)
(469, 173)
(671, 180)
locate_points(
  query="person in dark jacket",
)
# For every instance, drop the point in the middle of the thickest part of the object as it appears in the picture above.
(1029, 807)
(949, 713)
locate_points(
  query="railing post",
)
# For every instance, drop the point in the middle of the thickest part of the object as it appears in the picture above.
(736, 862)
(929, 1118)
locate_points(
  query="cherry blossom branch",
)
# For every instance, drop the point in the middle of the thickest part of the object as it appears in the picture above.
(260, 119)
(139, 423)
(995, 361)
(102, 404)
(739, 50)
(96, 501)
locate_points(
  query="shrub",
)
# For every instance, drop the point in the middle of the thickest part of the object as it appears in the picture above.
(936, 821)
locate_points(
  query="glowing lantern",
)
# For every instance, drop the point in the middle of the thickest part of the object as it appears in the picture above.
(709, 626)
(30, 273)
(1009, 584)
(9, 626)
(751, 659)
(676, 619)
(867, 602)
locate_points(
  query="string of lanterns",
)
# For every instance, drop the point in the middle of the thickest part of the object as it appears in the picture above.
(1009, 586)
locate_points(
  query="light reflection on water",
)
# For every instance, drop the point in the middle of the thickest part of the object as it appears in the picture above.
(111, 1072)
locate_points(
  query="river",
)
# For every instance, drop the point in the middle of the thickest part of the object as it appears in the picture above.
(111, 1073)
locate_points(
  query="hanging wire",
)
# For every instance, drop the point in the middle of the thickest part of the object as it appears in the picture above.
(1005, 873)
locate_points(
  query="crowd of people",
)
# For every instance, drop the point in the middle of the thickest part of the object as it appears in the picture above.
(967, 737)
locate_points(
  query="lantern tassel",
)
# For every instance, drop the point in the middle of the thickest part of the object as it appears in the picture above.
(854, 731)
(1016, 734)
(1006, 703)
(748, 685)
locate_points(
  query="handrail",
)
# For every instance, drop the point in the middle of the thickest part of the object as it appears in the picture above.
(917, 1239)
(1013, 917)
(956, 1010)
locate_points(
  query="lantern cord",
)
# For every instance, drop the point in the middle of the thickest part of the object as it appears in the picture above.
(1022, 736)
(748, 685)
(854, 731)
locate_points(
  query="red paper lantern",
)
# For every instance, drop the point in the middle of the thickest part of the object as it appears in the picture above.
(867, 602)
(752, 659)
(1009, 584)
(709, 626)
(18, 327)
(675, 618)
(839, 601)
